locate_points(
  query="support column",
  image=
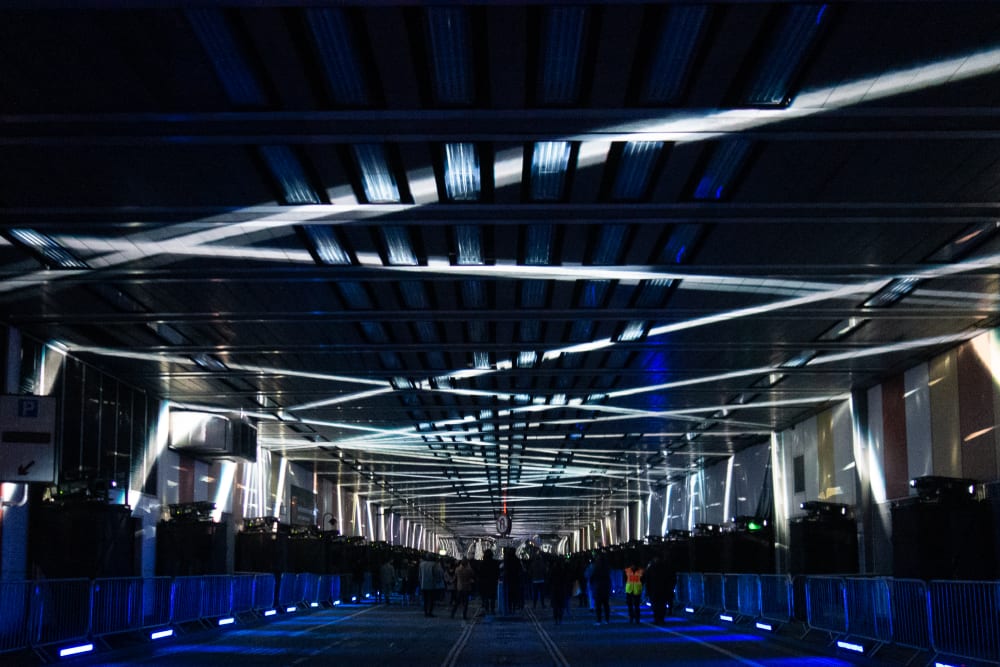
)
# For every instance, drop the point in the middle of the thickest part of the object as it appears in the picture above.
(14, 497)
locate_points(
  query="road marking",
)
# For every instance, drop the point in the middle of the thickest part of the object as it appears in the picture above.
(550, 645)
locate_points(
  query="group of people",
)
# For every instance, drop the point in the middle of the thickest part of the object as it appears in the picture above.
(540, 578)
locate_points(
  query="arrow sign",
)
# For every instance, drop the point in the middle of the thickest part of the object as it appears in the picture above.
(23, 469)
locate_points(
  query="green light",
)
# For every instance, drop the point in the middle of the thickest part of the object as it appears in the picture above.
(753, 525)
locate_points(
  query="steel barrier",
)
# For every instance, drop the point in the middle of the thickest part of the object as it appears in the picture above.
(690, 590)
(117, 605)
(749, 594)
(242, 595)
(869, 612)
(825, 604)
(263, 591)
(15, 616)
(60, 611)
(216, 595)
(966, 618)
(910, 613)
(286, 589)
(712, 585)
(731, 593)
(329, 588)
(185, 606)
(307, 588)
(775, 597)
(157, 593)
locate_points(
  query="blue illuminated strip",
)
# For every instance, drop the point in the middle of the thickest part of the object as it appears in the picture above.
(689, 610)
(328, 248)
(314, 604)
(726, 617)
(287, 169)
(57, 256)
(229, 620)
(561, 50)
(290, 609)
(468, 239)
(857, 648)
(764, 626)
(674, 54)
(722, 168)
(270, 612)
(447, 29)
(461, 172)
(76, 650)
(337, 54)
(219, 43)
(772, 84)
(549, 163)
(635, 169)
(399, 252)
(161, 634)
(377, 179)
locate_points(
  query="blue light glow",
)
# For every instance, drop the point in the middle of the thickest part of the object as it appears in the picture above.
(76, 650)
(290, 610)
(160, 634)
(726, 617)
(315, 604)
(689, 610)
(270, 612)
(764, 626)
(857, 648)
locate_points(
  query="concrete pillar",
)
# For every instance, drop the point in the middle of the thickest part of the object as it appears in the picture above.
(14, 497)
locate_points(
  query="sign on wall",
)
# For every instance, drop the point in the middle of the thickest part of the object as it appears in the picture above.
(27, 438)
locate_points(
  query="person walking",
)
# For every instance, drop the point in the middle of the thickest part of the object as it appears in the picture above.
(465, 578)
(488, 578)
(387, 580)
(634, 576)
(659, 588)
(431, 582)
(600, 587)
(561, 580)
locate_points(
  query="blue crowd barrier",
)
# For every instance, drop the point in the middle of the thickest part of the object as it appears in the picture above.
(242, 593)
(749, 594)
(775, 597)
(966, 618)
(287, 582)
(910, 612)
(712, 585)
(869, 613)
(216, 596)
(825, 607)
(185, 604)
(263, 591)
(731, 593)
(117, 605)
(15, 617)
(690, 590)
(60, 611)
(157, 601)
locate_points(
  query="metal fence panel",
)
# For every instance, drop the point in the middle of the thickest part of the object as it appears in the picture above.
(307, 588)
(776, 597)
(286, 589)
(825, 604)
(869, 613)
(731, 592)
(117, 605)
(910, 614)
(712, 585)
(263, 591)
(242, 597)
(690, 589)
(156, 601)
(60, 609)
(186, 600)
(749, 594)
(966, 618)
(216, 595)
(15, 603)
(329, 588)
